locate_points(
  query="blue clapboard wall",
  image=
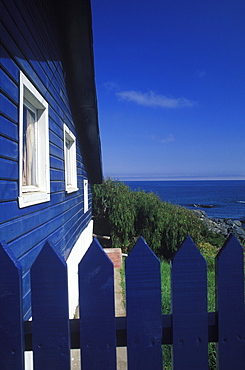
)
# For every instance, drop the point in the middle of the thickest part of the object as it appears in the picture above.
(29, 46)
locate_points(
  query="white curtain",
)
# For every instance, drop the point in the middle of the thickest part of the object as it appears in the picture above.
(68, 162)
(29, 161)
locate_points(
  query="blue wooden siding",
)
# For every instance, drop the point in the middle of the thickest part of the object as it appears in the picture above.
(29, 46)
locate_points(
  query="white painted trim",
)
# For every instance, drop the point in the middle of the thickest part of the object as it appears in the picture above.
(72, 165)
(40, 194)
(85, 195)
(73, 260)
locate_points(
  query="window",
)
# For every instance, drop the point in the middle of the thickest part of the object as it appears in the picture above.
(85, 194)
(70, 160)
(34, 178)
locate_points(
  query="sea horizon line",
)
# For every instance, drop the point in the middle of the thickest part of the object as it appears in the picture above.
(225, 178)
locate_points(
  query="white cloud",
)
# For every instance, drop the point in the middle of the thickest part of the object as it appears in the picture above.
(168, 139)
(111, 86)
(200, 73)
(151, 99)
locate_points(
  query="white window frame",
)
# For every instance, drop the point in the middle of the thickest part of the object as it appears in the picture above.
(32, 99)
(85, 195)
(70, 158)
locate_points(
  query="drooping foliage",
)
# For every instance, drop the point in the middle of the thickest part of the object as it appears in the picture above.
(125, 215)
(114, 212)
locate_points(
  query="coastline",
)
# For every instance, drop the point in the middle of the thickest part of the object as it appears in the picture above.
(222, 199)
(223, 226)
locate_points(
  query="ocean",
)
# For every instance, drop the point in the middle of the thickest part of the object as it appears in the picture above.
(219, 199)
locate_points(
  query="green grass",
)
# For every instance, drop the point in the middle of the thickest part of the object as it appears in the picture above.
(166, 308)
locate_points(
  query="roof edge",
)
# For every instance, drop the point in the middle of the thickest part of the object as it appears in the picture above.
(76, 42)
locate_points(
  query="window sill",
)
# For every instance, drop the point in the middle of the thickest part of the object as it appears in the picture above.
(32, 198)
(71, 190)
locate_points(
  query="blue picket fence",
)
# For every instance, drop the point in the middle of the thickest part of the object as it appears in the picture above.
(189, 328)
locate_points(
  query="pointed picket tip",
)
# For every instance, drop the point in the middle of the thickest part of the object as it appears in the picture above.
(96, 271)
(50, 311)
(140, 264)
(232, 246)
(143, 306)
(95, 255)
(12, 338)
(141, 259)
(140, 246)
(189, 308)
(141, 251)
(10, 277)
(188, 251)
(48, 255)
(97, 309)
(230, 304)
(143, 281)
(49, 283)
(188, 278)
(7, 258)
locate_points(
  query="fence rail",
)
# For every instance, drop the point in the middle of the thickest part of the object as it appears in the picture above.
(189, 328)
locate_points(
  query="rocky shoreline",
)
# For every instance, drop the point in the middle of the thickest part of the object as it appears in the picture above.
(222, 226)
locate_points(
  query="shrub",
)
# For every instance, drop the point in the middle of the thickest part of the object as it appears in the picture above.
(149, 218)
(214, 239)
(125, 215)
(114, 212)
(179, 223)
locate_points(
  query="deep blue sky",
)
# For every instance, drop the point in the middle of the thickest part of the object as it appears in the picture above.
(170, 77)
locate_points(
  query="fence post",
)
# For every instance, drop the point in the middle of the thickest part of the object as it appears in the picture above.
(97, 310)
(189, 308)
(230, 306)
(11, 320)
(144, 311)
(50, 314)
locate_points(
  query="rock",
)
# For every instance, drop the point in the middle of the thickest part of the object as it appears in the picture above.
(237, 223)
(222, 226)
(200, 213)
(229, 222)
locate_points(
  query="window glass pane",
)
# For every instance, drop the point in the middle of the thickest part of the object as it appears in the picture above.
(85, 182)
(68, 162)
(34, 165)
(29, 147)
